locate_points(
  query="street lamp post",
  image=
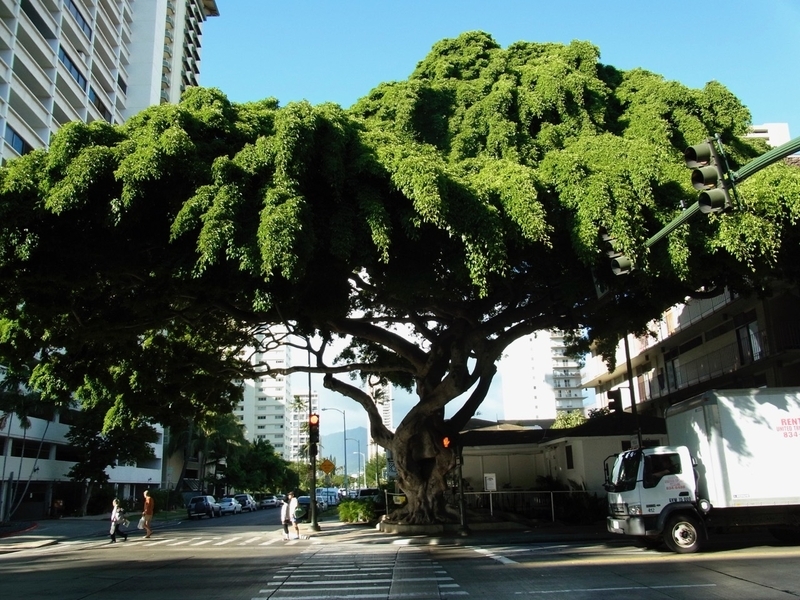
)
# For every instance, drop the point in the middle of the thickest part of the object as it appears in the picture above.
(313, 458)
(361, 458)
(344, 449)
(359, 452)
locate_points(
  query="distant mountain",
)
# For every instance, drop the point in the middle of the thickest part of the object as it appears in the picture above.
(332, 446)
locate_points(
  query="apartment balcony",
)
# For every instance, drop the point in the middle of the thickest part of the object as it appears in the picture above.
(30, 108)
(47, 20)
(111, 11)
(24, 125)
(105, 44)
(721, 363)
(6, 37)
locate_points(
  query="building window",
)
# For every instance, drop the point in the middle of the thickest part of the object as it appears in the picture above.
(123, 87)
(749, 343)
(95, 99)
(72, 68)
(82, 23)
(261, 427)
(261, 417)
(16, 142)
(570, 461)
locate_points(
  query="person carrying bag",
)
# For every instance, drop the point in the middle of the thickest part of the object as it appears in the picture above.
(117, 520)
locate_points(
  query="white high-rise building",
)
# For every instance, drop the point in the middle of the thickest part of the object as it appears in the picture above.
(90, 60)
(382, 396)
(538, 379)
(82, 60)
(776, 134)
(297, 425)
(266, 402)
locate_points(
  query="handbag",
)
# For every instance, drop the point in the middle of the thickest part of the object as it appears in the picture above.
(140, 524)
(125, 522)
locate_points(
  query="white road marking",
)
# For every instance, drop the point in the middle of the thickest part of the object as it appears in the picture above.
(228, 541)
(619, 589)
(493, 556)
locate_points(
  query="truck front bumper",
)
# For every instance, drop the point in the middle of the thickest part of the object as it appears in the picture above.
(626, 525)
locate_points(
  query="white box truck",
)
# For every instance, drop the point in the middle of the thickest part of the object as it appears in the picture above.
(731, 462)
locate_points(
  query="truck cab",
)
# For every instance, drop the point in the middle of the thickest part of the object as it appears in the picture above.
(652, 493)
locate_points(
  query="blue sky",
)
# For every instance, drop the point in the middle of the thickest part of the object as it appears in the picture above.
(338, 50)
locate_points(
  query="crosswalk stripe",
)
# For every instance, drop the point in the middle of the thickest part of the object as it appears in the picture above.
(228, 541)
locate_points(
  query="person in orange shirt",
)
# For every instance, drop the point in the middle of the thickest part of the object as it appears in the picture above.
(147, 513)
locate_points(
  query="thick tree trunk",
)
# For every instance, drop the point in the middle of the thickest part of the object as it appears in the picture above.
(422, 466)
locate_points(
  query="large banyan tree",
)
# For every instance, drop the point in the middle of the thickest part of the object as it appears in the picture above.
(423, 229)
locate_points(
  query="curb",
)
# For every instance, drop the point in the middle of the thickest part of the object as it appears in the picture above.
(8, 534)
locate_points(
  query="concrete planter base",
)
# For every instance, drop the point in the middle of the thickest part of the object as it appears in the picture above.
(435, 529)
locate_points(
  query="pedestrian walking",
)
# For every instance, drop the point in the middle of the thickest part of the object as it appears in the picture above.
(147, 513)
(288, 516)
(117, 517)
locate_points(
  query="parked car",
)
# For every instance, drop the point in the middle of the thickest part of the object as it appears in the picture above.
(375, 496)
(303, 505)
(268, 502)
(247, 502)
(230, 506)
(200, 506)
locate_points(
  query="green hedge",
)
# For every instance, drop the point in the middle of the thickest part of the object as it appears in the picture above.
(356, 511)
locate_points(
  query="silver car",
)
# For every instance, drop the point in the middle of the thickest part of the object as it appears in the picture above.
(230, 506)
(247, 501)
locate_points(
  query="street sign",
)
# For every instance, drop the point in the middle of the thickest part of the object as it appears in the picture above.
(391, 469)
(327, 466)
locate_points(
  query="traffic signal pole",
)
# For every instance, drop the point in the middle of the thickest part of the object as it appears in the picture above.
(766, 159)
(754, 166)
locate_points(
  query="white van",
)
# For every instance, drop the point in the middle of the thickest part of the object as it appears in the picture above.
(330, 496)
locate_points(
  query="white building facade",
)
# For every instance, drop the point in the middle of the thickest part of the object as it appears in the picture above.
(266, 400)
(297, 413)
(539, 380)
(90, 60)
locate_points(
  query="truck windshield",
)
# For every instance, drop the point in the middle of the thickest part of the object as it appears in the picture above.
(626, 469)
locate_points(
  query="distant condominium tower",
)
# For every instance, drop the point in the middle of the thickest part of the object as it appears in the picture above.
(266, 405)
(381, 394)
(297, 413)
(92, 60)
(539, 379)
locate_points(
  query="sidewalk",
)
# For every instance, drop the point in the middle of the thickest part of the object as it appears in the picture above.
(24, 535)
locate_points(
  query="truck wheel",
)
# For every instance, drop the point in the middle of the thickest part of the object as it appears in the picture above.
(682, 534)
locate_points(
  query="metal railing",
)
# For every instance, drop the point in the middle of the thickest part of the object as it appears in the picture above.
(540, 505)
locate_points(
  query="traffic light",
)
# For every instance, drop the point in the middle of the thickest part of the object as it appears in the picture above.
(615, 401)
(446, 441)
(620, 264)
(313, 428)
(709, 174)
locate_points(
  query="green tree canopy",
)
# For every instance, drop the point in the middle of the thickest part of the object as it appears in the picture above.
(430, 225)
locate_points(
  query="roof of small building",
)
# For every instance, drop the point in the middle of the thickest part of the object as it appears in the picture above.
(614, 424)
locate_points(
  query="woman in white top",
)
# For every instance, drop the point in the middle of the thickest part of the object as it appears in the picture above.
(116, 521)
(288, 517)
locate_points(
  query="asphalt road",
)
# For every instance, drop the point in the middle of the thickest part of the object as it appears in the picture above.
(244, 557)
